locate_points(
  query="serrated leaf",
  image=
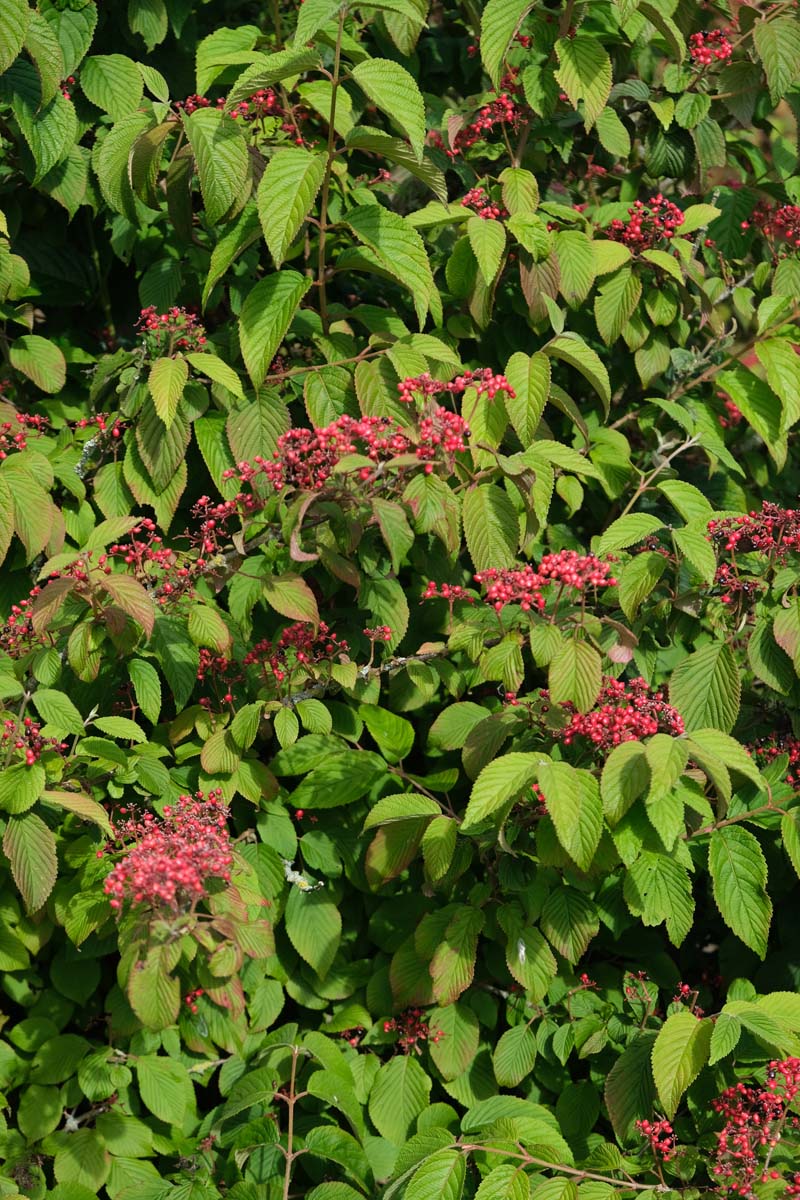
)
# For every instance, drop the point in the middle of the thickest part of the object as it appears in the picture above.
(399, 251)
(14, 18)
(615, 303)
(146, 687)
(154, 992)
(167, 379)
(286, 194)
(215, 369)
(529, 377)
(399, 1094)
(739, 873)
(629, 1090)
(491, 527)
(453, 964)
(575, 674)
(585, 74)
(500, 20)
(30, 848)
(570, 921)
(314, 927)
(266, 315)
(679, 1054)
(573, 350)
(500, 782)
(706, 688)
(514, 1055)
(220, 154)
(572, 798)
(40, 361)
(777, 43)
(727, 1031)
(628, 531)
(395, 92)
(113, 83)
(488, 242)
(441, 1175)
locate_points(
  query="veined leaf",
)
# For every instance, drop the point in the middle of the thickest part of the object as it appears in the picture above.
(679, 1054)
(585, 74)
(266, 315)
(500, 20)
(739, 873)
(395, 92)
(286, 193)
(220, 154)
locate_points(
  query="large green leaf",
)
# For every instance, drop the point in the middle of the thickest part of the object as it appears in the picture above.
(286, 193)
(573, 801)
(314, 926)
(40, 360)
(488, 241)
(266, 315)
(739, 874)
(491, 527)
(570, 921)
(679, 1054)
(575, 674)
(14, 18)
(584, 73)
(395, 92)
(706, 688)
(778, 45)
(399, 250)
(399, 1094)
(30, 848)
(499, 784)
(113, 83)
(220, 154)
(500, 20)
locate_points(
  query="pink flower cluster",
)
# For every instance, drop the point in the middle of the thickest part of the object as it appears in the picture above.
(483, 380)
(477, 199)
(755, 1119)
(661, 1137)
(172, 858)
(625, 712)
(14, 434)
(176, 329)
(649, 224)
(706, 48)
(524, 585)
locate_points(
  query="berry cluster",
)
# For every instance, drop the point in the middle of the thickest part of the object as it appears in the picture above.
(191, 998)
(504, 111)
(263, 103)
(14, 434)
(25, 738)
(299, 646)
(223, 678)
(650, 224)
(173, 857)
(477, 199)
(733, 414)
(781, 224)
(661, 1137)
(767, 749)
(164, 333)
(18, 636)
(524, 585)
(101, 422)
(451, 592)
(736, 588)
(755, 1120)
(306, 458)
(774, 532)
(67, 86)
(625, 712)
(706, 48)
(353, 1036)
(381, 633)
(412, 1029)
(441, 433)
(483, 381)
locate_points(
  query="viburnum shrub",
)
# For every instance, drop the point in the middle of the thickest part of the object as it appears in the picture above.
(400, 600)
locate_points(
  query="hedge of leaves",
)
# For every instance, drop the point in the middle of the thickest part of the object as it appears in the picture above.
(400, 603)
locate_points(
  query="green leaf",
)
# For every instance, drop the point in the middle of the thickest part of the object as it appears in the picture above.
(453, 964)
(760, 407)
(585, 74)
(529, 376)
(291, 596)
(777, 44)
(573, 801)
(177, 656)
(500, 783)
(314, 927)
(266, 315)
(269, 69)
(286, 194)
(724, 1039)
(14, 18)
(572, 349)
(628, 531)
(488, 242)
(395, 92)
(613, 134)
(505, 1182)
(255, 429)
(657, 889)
(30, 848)
(638, 579)
(728, 750)
(82, 1161)
(403, 807)
(569, 920)
(670, 32)
(706, 688)
(399, 250)
(514, 1055)
(615, 303)
(40, 361)
(441, 1175)
(21, 786)
(154, 992)
(625, 777)
(739, 873)
(679, 1054)
(149, 19)
(58, 711)
(394, 735)
(629, 1089)
(398, 1096)
(113, 83)
(575, 674)
(454, 1038)
(577, 265)
(220, 153)
(42, 45)
(491, 527)
(342, 778)
(110, 161)
(520, 190)
(500, 20)
(218, 371)
(167, 379)
(165, 1087)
